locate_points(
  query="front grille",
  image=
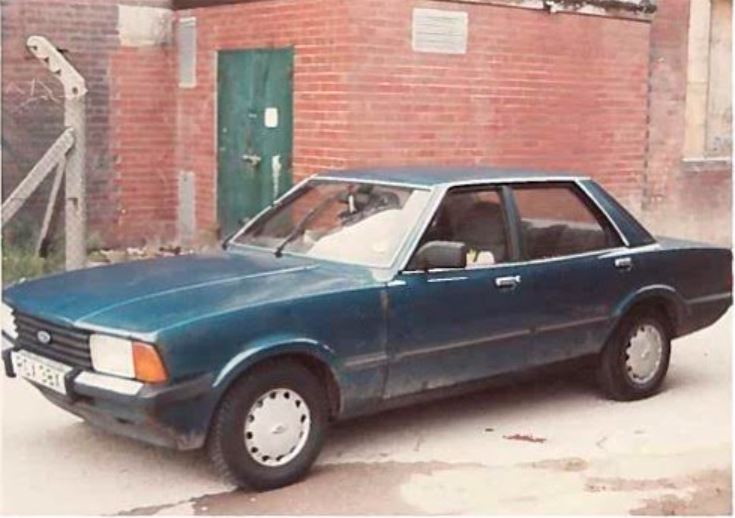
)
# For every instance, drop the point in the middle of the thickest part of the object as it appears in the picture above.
(67, 345)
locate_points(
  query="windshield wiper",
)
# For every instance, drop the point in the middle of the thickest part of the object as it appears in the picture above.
(299, 228)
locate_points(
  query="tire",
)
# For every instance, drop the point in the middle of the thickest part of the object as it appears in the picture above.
(285, 399)
(624, 372)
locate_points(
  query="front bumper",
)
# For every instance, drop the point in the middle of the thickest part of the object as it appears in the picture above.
(174, 415)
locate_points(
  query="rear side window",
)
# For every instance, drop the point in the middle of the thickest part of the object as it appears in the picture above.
(635, 232)
(556, 220)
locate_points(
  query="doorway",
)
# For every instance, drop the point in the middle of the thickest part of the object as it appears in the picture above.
(254, 132)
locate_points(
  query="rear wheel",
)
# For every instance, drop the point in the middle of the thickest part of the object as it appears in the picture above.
(635, 360)
(270, 427)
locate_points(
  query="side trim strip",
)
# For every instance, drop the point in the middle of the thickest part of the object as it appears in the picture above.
(449, 279)
(608, 252)
(634, 250)
(710, 298)
(461, 344)
(500, 336)
(573, 323)
(365, 361)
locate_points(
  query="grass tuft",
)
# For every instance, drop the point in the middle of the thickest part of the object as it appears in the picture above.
(19, 260)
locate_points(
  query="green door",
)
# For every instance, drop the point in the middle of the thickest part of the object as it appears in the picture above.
(254, 133)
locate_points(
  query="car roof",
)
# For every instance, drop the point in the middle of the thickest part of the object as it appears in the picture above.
(434, 176)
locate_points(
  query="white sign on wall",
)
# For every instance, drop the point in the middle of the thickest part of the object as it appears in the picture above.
(439, 31)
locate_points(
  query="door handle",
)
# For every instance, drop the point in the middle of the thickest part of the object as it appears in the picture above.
(253, 160)
(624, 263)
(508, 282)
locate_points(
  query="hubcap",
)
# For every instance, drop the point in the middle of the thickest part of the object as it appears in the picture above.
(644, 354)
(276, 427)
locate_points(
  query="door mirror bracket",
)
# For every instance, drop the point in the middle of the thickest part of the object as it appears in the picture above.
(441, 254)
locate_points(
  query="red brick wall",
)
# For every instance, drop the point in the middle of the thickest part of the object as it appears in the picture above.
(32, 98)
(540, 90)
(143, 124)
(688, 199)
(32, 114)
(699, 204)
(668, 80)
(559, 91)
(316, 28)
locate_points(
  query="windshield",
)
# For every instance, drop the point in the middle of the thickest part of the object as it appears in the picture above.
(350, 222)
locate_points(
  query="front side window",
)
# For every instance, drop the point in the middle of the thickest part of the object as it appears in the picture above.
(476, 218)
(557, 221)
(358, 223)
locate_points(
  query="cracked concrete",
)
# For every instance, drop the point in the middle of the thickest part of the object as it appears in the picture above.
(665, 455)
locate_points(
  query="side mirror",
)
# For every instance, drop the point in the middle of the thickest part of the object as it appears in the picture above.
(441, 254)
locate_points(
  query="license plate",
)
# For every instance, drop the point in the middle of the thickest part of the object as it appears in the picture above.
(38, 369)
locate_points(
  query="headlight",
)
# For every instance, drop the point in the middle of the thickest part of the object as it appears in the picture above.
(112, 355)
(8, 321)
(126, 358)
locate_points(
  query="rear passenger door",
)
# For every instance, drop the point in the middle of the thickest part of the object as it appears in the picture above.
(570, 281)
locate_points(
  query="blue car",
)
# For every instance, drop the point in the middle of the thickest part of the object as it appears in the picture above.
(355, 292)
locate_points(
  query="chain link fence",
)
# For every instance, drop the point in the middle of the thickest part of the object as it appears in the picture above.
(27, 229)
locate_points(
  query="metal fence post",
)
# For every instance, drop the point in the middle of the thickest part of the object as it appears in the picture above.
(75, 92)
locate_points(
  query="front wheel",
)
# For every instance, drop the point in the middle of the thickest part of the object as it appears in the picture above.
(270, 427)
(635, 360)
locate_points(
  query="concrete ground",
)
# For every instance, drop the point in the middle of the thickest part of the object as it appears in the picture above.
(553, 446)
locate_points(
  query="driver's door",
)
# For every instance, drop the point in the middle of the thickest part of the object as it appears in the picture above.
(451, 326)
